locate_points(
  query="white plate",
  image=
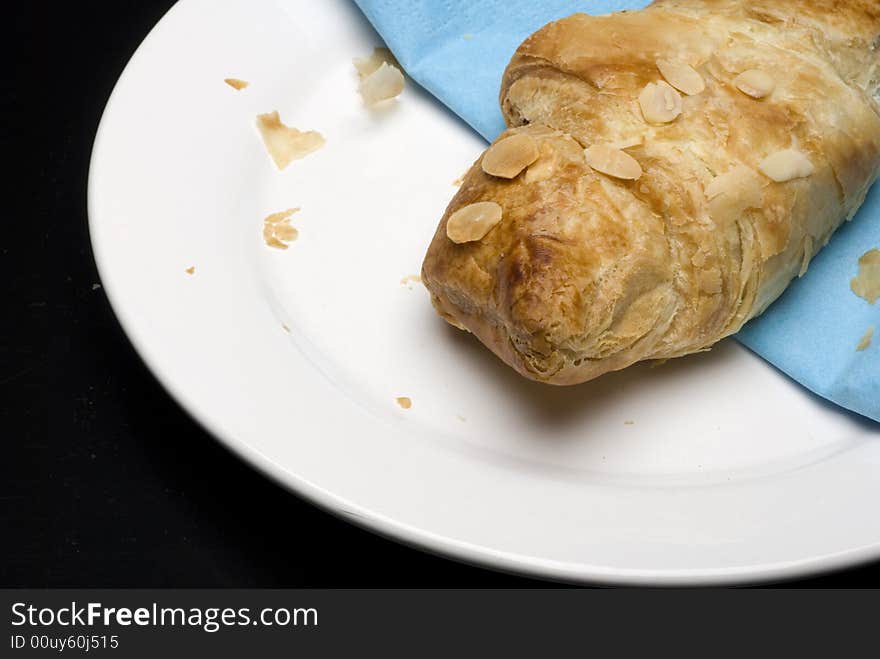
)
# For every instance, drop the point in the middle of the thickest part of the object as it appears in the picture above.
(729, 473)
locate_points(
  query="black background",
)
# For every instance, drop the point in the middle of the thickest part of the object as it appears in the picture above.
(105, 480)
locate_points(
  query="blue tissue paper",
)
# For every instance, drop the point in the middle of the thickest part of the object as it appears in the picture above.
(458, 49)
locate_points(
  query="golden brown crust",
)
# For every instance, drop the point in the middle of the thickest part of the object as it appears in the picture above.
(588, 273)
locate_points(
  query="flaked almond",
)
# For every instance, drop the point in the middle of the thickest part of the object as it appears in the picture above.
(472, 222)
(681, 76)
(367, 65)
(383, 84)
(509, 156)
(755, 83)
(284, 143)
(660, 103)
(613, 162)
(867, 284)
(786, 165)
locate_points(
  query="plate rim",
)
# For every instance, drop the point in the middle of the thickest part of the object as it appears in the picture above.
(420, 538)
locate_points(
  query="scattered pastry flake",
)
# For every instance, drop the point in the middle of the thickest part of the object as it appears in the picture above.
(865, 341)
(381, 78)
(629, 423)
(544, 167)
(732, 192)
(808, 255)
(191, 270)
(473, 222)
(404, 402)
(660, 103)
(285, 327)
(786, 165)
(367, 65)
(755, 83)
(509, 156)
(409, 280)
(627, 143)
(682, 76)
(286, 144)
(277, 230)
(867, 284)
(613, 162)
(236, 84)
(384, 84)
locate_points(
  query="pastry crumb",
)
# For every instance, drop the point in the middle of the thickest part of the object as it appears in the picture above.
(236, 84)
(808, 255)
(404, 402)
(384, 84)
(629, 423)
(285, 327)
(380, 75)
(284, 143)
(409, 280)
(867, 283)
(277, 229)
(96, 286)
(865, 341)
(191, 270)
(367, 65)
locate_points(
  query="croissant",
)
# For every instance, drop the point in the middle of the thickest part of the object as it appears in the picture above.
(665, 174)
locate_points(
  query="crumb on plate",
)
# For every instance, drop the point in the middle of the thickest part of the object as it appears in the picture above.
(409, 280)
(285, 143)
(285, 327)
(404, 402)
(191, 270)
(865, 341)
(236, 84)
(277, 229)
(380, 76)
(367, 65)
(867, 283)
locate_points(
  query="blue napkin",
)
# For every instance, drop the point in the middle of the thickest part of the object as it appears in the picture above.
(457, 50)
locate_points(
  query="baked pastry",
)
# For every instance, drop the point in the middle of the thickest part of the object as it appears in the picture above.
(666, 173)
